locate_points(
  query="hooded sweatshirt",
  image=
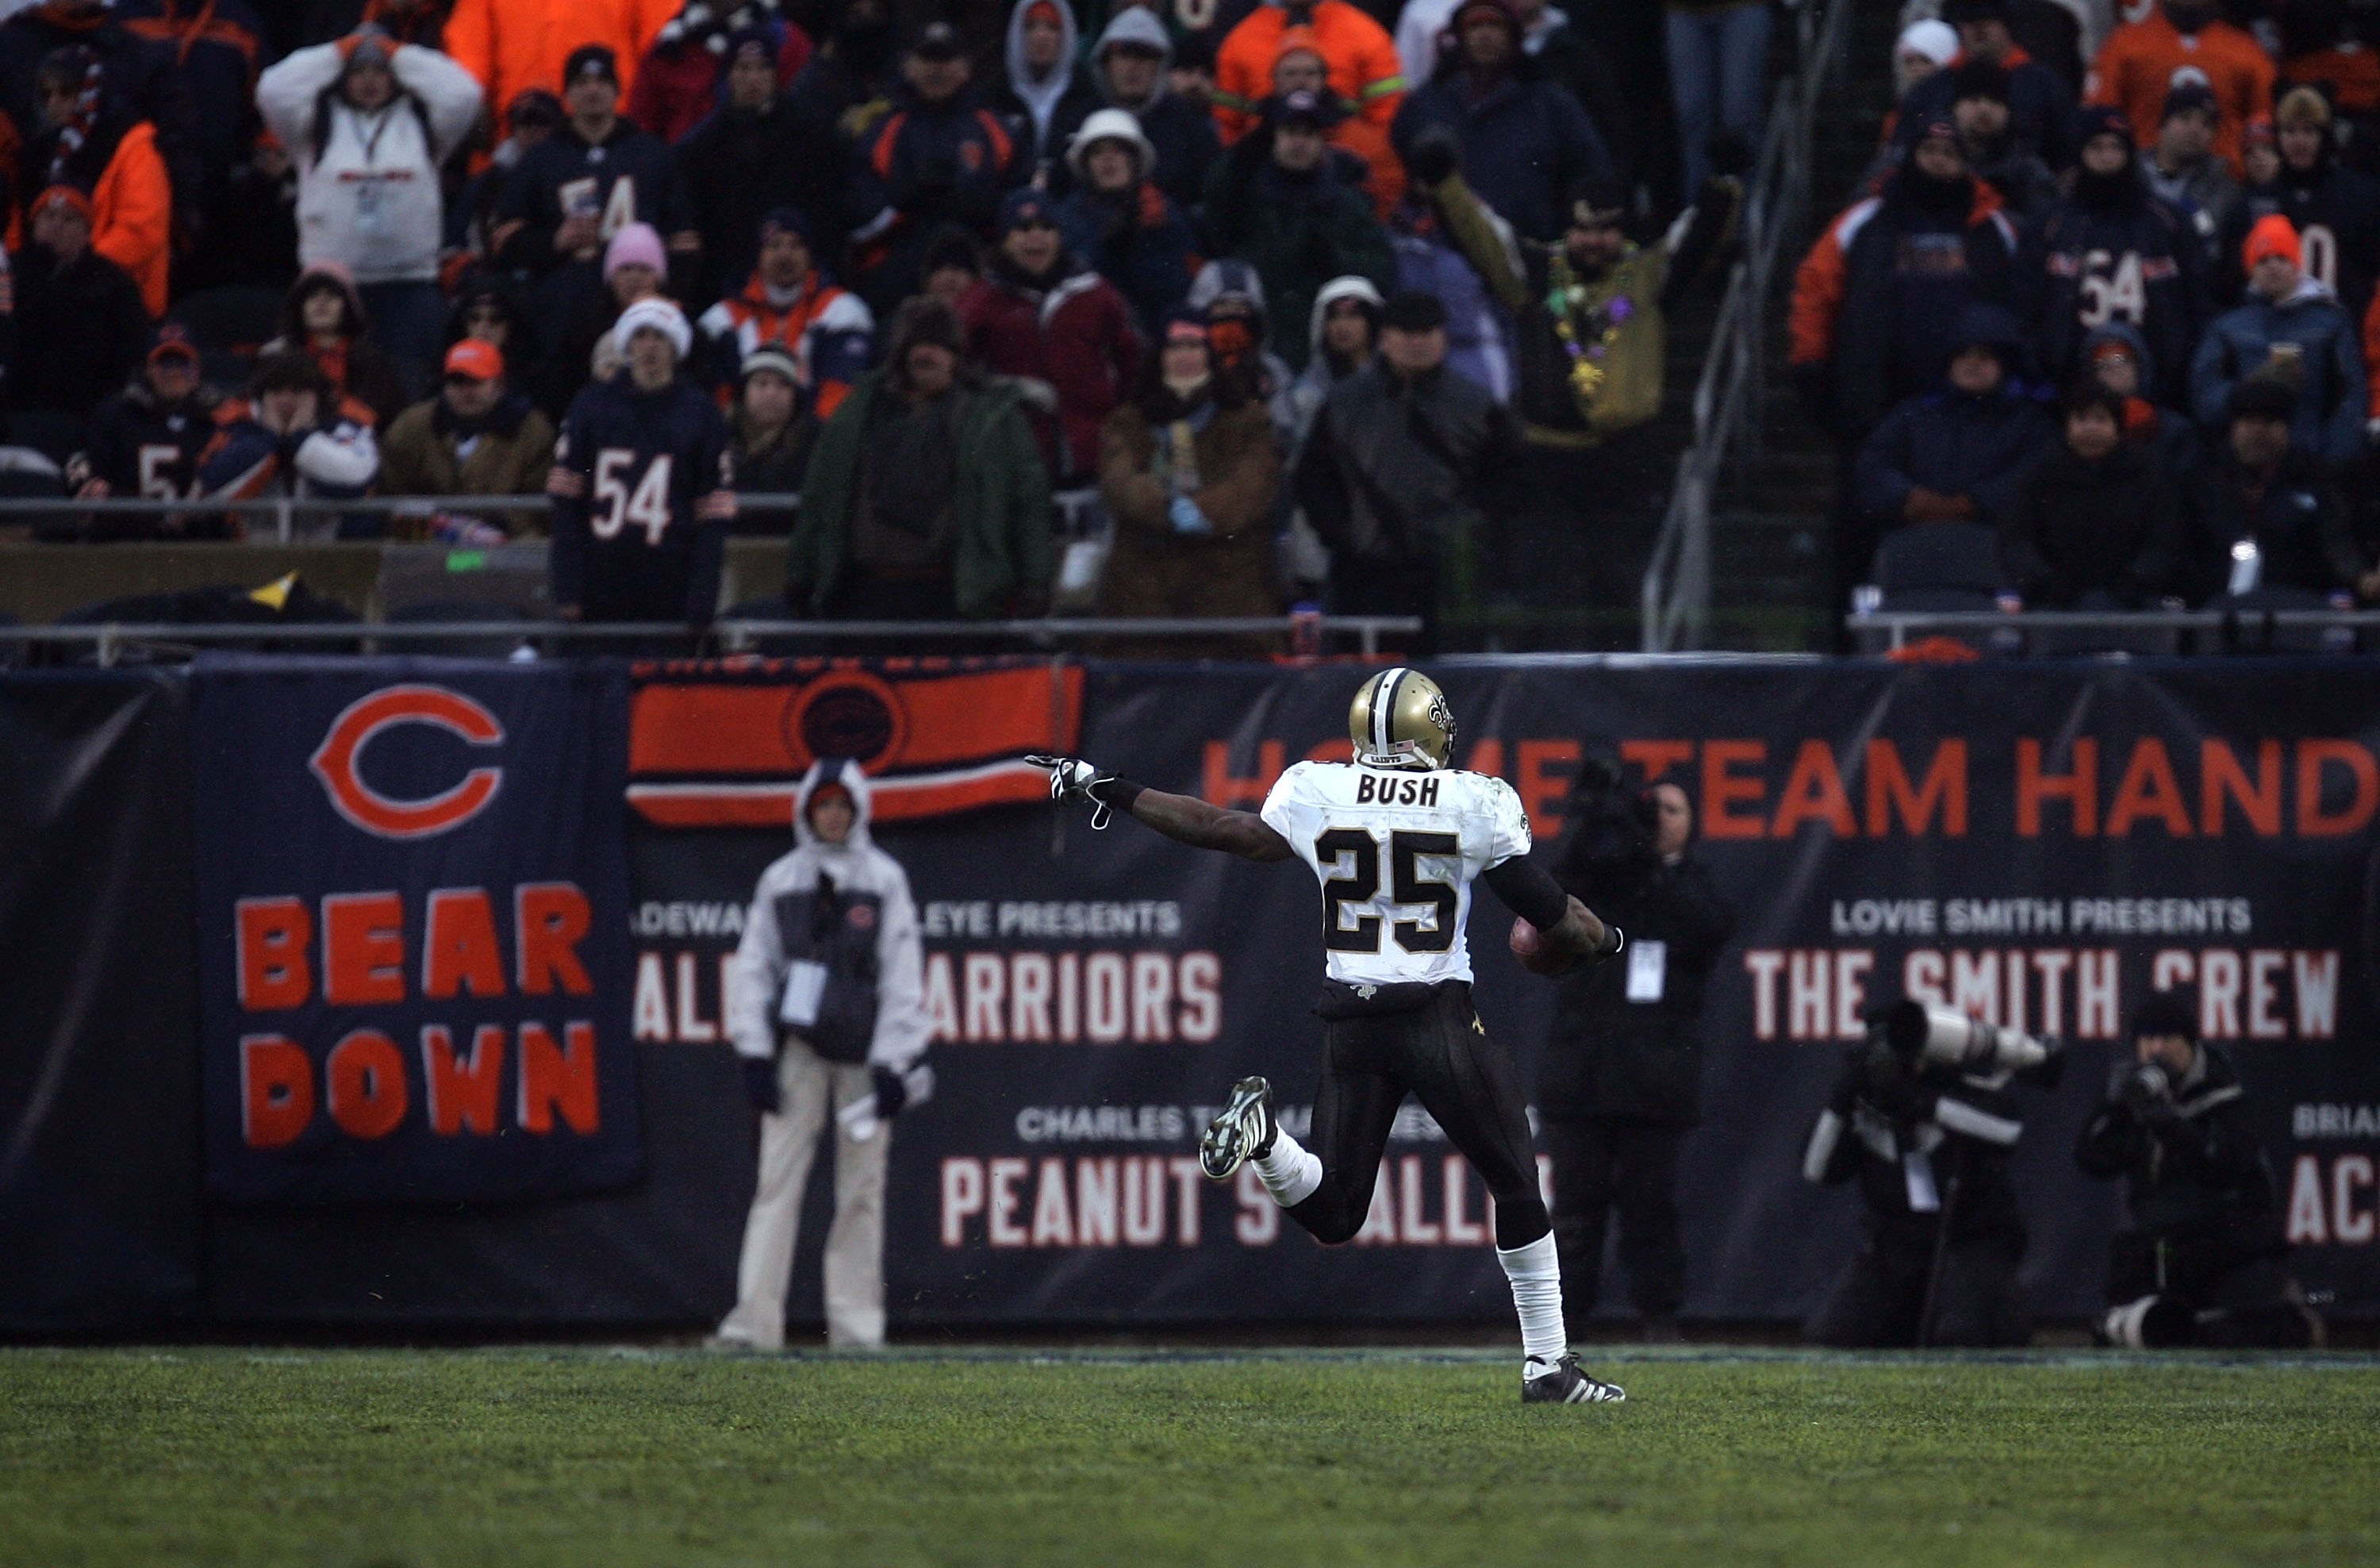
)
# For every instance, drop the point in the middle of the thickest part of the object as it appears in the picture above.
(1040, 99)
(1183, 134)
(1314, 384)
(872, 889)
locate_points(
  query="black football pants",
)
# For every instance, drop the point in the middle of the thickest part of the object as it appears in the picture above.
(1440, 1055)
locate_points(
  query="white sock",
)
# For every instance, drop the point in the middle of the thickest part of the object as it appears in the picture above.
(1288, 1171)
(1536, 1273)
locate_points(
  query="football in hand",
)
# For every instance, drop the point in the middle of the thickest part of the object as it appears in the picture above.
(1537, 955)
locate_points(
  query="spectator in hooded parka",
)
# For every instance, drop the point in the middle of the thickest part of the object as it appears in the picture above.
(1048, 94)
(1956, 453)
(1129, 64)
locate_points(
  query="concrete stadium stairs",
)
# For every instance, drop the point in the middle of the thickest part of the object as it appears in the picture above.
(1770, 516)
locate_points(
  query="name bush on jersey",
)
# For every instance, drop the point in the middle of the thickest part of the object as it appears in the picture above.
(1396, 854)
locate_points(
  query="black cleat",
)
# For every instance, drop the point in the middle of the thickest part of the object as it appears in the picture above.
(1567, 1385)
(1242, 1131)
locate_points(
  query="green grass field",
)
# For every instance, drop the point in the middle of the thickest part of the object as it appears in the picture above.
(528, 1456)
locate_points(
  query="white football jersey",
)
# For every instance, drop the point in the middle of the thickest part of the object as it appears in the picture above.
(1397, 851)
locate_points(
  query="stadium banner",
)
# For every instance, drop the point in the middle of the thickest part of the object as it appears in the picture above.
(412, 930)
(99, 1122)
(2039, 845)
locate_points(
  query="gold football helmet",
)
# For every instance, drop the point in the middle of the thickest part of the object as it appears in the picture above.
(1400, 718)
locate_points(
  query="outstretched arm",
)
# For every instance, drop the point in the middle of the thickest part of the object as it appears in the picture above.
(1202, 826)
(1178, 817)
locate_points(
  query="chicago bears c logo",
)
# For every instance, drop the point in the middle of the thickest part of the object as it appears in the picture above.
(335, 761)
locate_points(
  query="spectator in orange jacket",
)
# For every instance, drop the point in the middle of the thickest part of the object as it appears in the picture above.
(512, 44)
(2137, 65)
(93, 146)
(1360, 68)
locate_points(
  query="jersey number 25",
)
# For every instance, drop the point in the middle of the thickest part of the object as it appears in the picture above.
(1361, 883)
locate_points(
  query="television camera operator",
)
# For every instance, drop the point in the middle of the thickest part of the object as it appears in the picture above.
(1620, 1080)
(2203, 1262)
(1923, 1119)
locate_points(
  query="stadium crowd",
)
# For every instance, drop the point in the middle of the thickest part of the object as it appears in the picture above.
(2101, 330)
(1279, 309)
(1187, 309)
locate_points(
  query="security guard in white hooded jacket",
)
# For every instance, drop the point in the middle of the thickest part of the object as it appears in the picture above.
(826, 920)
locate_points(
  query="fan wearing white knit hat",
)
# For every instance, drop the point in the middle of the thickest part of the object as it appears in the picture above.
(643, 486)
(1119, 222)
(1923, 48)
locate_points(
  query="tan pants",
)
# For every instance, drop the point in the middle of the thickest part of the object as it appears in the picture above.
(814, 1089)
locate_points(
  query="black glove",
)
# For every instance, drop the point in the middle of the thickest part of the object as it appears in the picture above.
(2148, 1094)
(760, 1085)
(1072, 779)
(1433, 157)
(891, 1092)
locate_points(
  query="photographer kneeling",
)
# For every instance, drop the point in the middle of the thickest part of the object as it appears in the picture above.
(2202, 1262)
(1928, 1140)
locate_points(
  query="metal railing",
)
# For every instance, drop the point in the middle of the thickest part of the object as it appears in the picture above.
(109, 641)
(1676, 593)
(284, 512)
(2076, 627)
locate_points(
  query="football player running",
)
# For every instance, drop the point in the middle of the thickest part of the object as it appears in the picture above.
(1396, 838)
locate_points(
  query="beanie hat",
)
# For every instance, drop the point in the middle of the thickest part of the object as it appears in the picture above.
(1937, 41)
(636, 245)
(662, 315)
(591, 59)
(2101, 119)
(2303, 106)
(1024, 206)
(1183, 323)
(789, 220)
(1980, 78)
(70, 195)
(2166, 1013)
(2187, 93)
(2272, 235)
(1111, 125)
(1413, 310)
(771, 356)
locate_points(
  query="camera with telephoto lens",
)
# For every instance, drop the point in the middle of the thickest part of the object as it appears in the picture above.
(1923, 1035)
(1610, 826)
